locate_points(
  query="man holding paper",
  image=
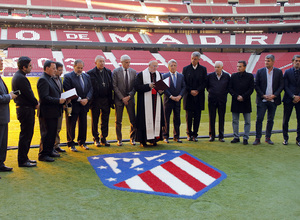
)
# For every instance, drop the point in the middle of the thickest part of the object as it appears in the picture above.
(80, 107)
(172, 100)
(150, 117)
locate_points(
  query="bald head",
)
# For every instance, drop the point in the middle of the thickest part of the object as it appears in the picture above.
(1, 63)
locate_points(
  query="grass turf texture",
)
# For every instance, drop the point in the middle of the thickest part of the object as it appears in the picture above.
(262, 180)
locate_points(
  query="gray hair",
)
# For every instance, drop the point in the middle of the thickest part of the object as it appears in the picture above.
(99, 57)
(196, 54)
(77, 61)
(219, 63)
(151, 61)
(295, 56)
(271, 57)
(172, 61)
(125, 57)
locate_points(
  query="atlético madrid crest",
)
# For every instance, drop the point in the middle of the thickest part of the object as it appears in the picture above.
(168, 173)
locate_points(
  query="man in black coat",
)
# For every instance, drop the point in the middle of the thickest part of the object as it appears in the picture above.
(217, 87)
(80, 107)
(241, 87)
(268, 85)
(172, 101)
(291, 98)
(50, 110)
(26, 104)
(195, 76)
(102, 99)
(5, 98)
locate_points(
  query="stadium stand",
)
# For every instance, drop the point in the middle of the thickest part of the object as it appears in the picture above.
(84, 17)
(69, 17)
(86, 55)
(54, 16)
(291, 21)
(76, 35)
(255, 39)
(60, 3)
(268, 1)
(292, 8)
(38, 57)
(38, 15)
(290, 38)
(18, 14)
(211, 9)
(218, 39)
(117, 5)
(141, 20)
(14, 2)
(264, 21)
(28, 34)
(266, 9)
(122, 37)
(163, 38)
(98, 18)
(166, 8)
(247, 2)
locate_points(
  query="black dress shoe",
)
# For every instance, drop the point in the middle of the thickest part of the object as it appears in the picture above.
(5, 169)
(298, 143)
(235, 140)
(27, 164)
(221, 140)
(256, 142)
(132, 142)
(58, 149)
(54, 154)
(177, 140)
(73, 148)
(211, 139)
(31, 161)
(84, 147)
(195, 139)
(119, 143)
(268, 140)
(189, 138)
(166, 140)
(143, 144)
(97, 144)
(46, 159)
(285, 142)
(245, 142)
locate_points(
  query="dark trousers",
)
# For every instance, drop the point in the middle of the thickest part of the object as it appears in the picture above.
(3, 143)
(26, 117)
(287, 111)
(119, 114)
(81, 117)
(57, 138)
(212, 108)
(48, 130)
(192, 119)
(100, 105)
(262, 107)
(168, 108)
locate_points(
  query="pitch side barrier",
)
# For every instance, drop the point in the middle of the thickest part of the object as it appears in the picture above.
(252, 133)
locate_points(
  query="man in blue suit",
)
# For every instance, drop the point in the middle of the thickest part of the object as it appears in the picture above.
(291, 98)
(80, 107)
(4, 119)
(268, 85)
(172, 101)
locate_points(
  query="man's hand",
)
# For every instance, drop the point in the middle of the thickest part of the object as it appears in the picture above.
(240, 98)
(126, 100)
(151, 85)
(160, 91)
(62, 101)
(84, 101)
(13, 96)
(176, 98)
(269, 97)
(194, 92)
(296, 99)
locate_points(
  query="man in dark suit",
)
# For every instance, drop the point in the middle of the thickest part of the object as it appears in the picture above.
(241, 87)
(101, 79)
(26, 104)
(195, 76)
(217, 87)
(172, 101)
(5, 98)
(291, 98)
(80, 107)
(123, 82)
(49, 112)
(268, 85)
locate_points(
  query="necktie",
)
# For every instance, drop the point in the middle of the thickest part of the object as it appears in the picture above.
(126, 82)
(174, 79)
(81, 82)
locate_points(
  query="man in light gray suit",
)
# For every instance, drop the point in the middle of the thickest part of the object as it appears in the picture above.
(123, 81)
(4, 119)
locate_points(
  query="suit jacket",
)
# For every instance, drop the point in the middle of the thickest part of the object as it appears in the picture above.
(119, 83)
(26, 98)
(241, 84)
(261, 84)
(4, 104)
(179, 90)
(291, 85)
(98, 90)
(195, 79)
(218, 89)
(71, 80)
(49, 94)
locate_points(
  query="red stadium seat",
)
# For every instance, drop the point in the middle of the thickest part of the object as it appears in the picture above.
(54, 16)
(18, 14)
(38, 15)
(28, 34)
(141, 20)
(290, 38)
(166, 8)
(264, 21)
(255, 39)
(258, 9)
(98, 18)
(84, 18)
(60, 3)
(122, 37)
(247, 2)
(217, 39)
(115, 5)
(76, 35)
(69, 17)
(14, 2)
(167, 38)
(292, 8)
